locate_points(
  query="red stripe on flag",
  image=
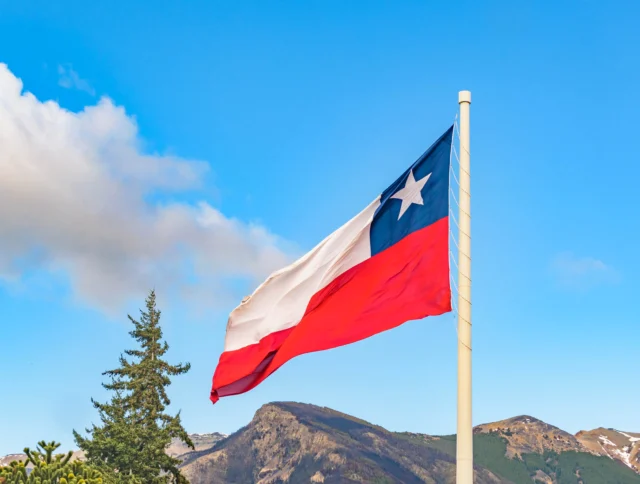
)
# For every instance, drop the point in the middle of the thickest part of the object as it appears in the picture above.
(407, 281)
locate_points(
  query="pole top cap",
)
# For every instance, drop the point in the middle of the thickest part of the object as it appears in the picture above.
(464, 97)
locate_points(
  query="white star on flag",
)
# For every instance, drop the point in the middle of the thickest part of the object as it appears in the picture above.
(410, 194)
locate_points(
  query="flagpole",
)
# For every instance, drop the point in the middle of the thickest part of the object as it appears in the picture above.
(464, 449)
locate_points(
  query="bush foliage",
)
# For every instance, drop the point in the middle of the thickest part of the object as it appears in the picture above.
(42, 466)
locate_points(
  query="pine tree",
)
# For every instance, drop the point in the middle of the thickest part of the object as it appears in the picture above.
(135, 430)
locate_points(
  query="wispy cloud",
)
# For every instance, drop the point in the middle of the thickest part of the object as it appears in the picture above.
(70, 79)
(576, 272)
(74, 203)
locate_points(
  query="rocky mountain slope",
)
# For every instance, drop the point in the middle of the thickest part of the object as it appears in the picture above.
(529, 435)
(525, 435)
(298, 443)
(200, 441)
(621, 446)
(295, 443)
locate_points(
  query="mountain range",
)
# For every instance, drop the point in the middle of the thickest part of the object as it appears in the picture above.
(295, 443)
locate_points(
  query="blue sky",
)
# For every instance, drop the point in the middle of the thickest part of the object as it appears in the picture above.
(266, 126)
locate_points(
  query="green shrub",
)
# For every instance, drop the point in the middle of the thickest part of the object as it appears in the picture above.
(42, 466)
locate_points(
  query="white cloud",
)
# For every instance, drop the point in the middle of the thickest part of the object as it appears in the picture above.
(582, 272)
(73, 191)
(70, 79)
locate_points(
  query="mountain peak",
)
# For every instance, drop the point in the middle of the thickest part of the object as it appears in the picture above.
(295, 442)
(618, 445)
(526, 434)
(300, 443)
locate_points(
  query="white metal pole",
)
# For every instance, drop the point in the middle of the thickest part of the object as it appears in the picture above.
(464, 449)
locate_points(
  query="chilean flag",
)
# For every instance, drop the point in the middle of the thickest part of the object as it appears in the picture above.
(387, 265)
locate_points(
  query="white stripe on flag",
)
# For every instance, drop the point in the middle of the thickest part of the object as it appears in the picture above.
(280, 302)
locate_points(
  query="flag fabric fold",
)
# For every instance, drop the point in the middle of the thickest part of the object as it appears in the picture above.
(389, 264)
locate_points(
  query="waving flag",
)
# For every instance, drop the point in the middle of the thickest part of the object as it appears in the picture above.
(387, 265)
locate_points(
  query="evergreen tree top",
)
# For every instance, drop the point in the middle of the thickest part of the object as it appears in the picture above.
(136, 430)
(146, 374)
